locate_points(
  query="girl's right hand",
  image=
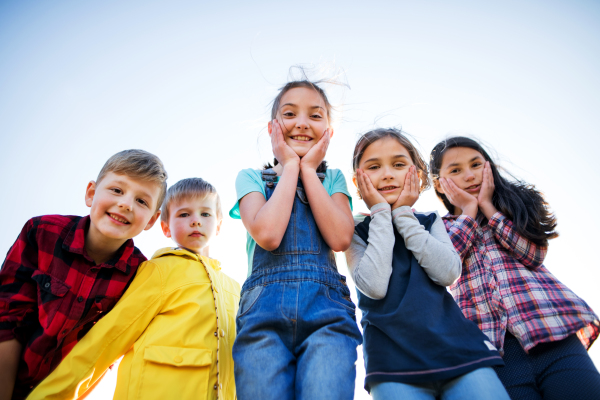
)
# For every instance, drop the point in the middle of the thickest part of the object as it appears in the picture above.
(459, 198)
(369, 194)
(282, 152)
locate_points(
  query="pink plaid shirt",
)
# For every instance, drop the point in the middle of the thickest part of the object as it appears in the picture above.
(505, 286)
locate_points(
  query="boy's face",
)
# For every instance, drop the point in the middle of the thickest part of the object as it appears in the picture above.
(121, 208)
(193, 222)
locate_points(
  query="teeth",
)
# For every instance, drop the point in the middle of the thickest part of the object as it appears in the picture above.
(388, 188)
(113, 216)
(301, 138)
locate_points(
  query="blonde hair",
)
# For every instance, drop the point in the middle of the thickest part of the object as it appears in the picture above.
(138, 164)
(186, 188)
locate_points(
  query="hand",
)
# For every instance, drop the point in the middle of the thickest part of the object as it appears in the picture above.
(369, 194)
(459, 198)
(283, 153)
(484, 199)
(410, 190)
(316, 154)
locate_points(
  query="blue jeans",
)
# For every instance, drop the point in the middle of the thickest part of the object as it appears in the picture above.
(296, 340)
(481, 384)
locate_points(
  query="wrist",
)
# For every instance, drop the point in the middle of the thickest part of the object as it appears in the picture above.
(488, 209)
(470, 210)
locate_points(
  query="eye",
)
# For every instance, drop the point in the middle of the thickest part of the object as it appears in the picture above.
(316, 116)
(288, 114)
(142, 202)
(399, 165)
(373, 167)
(205, 214)
(183, 215)
(116, 190)
(453, 171)
(477, 164)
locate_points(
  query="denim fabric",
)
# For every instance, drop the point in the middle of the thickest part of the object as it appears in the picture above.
(481, 384)
(297, 331)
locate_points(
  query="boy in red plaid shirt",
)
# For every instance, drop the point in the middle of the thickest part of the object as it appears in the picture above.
(65, 272)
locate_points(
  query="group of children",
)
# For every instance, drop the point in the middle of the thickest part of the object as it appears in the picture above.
(76, 295)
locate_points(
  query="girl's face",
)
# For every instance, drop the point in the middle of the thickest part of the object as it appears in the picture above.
(464, 167)
(386, 163)
(303, 118)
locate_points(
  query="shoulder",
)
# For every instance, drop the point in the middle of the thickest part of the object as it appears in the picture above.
(61, 221)
(249, 174)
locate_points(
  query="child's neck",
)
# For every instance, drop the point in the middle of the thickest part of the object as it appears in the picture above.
(99, 250)
(202, 252)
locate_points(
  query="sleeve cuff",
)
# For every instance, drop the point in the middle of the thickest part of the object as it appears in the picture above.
(380, 207)
(496, 220)
(6, 335)
(402, 211)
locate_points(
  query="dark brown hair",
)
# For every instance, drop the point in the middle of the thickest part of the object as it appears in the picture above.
(372, 136)
(519, 201)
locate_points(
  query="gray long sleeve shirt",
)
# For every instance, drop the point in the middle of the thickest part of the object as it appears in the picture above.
(370, 264)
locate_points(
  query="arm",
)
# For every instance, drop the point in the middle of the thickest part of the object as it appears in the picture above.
(370, 265)
(528, 253)
(10, 353)
(18, 299)
(332, 213)
(257, 213)
(109, 339)
(433, 250)
(462, 234)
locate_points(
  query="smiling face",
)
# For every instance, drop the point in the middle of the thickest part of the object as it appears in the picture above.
(193, 222)
(386, 162)
(121, 208)
(463, 166)
(303, 117)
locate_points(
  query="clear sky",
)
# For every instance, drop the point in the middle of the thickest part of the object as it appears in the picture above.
(191, 82)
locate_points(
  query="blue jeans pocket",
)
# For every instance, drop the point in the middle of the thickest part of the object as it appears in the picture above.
(248, 299)
(341, 296)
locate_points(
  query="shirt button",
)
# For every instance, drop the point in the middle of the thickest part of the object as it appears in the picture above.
(178, 359)
(216, 334)
(64, 332)
(47, 285)
(215, 387)
(80, 299)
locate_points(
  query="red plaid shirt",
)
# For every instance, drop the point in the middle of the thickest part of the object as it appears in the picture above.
(52, 293)
(505, 286)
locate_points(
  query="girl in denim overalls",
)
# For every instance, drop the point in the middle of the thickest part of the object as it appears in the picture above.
(297, 332)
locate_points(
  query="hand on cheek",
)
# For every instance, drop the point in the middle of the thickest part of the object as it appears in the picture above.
(369, 194)
(283, 153)
(410, 190)
(459, 198)
(484, 199)
(316, 154)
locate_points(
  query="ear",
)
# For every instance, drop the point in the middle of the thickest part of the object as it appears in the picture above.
(89, 193)
(152, 220)
(219, 226)
(437, 186)
(270, 127)
(354, 180)
(330, 132)
(165, 228)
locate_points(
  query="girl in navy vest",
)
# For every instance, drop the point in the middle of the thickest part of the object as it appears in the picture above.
(417, 343)
(297, 333)
(501, 230)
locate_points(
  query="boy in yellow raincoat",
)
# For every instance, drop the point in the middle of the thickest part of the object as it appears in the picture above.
(176, 322)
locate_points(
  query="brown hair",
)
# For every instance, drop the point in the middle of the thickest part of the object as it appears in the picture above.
(138, 164)
(190, 187)
(372, 136)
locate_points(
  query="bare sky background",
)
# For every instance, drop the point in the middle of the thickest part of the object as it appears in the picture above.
(191, 82)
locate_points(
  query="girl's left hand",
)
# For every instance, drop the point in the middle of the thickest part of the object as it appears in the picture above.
(410, 191)
(316, 154)
(484, 199)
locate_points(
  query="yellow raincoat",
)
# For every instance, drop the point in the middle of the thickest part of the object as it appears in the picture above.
(175, 345)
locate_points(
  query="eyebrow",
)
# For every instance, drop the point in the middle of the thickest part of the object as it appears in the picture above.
(295, 105)
(377, 158)
(470, 161)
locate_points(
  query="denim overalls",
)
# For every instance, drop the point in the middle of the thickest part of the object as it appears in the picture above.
(296, 328)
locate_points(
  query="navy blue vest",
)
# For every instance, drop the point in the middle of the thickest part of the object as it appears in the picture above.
(417, 333)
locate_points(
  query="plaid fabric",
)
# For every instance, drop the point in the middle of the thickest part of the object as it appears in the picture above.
(504, 285)
(52, 293)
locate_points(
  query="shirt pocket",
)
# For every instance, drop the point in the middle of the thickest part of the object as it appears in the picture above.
(51, 293)
(175, 372)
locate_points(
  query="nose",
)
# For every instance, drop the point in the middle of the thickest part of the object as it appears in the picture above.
(126, 203)
(387, 173)
(469, 176)
(302, 122)
(195, 222)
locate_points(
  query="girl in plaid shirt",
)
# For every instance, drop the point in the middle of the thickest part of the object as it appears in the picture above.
(501, 229)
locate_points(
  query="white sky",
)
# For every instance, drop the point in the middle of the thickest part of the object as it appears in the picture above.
(192, 82)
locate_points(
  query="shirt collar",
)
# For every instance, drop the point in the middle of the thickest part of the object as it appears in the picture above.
(74, 242)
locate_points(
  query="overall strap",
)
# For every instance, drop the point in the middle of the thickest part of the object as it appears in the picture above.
(270, 176)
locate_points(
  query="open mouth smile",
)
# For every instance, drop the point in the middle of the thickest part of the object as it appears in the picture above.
(388, 189)
(118, 218)
(302, 138)
(473, 188)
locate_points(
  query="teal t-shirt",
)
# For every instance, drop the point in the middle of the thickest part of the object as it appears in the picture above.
(250, 180)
